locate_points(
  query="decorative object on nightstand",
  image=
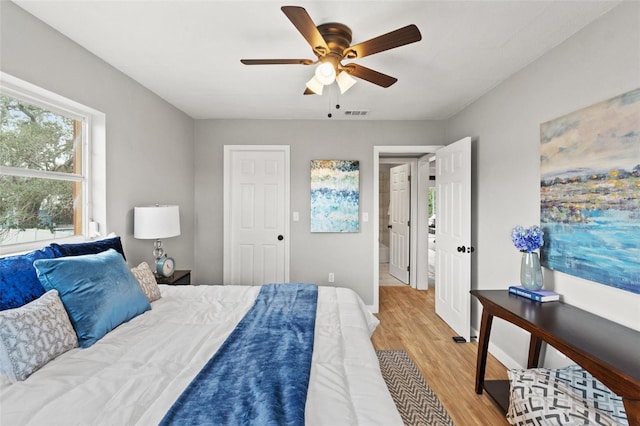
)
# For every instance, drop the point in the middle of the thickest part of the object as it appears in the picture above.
(154, 223)
(527, 241)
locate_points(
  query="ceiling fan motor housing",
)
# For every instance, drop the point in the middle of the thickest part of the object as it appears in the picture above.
(338, 39)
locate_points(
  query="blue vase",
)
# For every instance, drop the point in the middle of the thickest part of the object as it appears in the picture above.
(531, 271)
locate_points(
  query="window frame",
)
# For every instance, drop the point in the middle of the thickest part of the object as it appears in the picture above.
(93, 193)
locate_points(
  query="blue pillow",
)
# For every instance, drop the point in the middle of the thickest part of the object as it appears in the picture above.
(97, 290)
(90, 247)
(19, 283)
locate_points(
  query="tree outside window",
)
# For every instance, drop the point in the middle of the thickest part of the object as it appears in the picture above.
(41, 173)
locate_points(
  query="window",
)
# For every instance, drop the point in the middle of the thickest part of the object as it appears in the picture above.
(46, 184)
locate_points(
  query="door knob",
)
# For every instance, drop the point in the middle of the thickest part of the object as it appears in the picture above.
(280, 238)
(462, 249)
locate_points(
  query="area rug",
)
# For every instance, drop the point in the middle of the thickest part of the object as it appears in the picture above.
(416, 401)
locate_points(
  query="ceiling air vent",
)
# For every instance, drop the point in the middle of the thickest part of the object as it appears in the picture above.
(356, 113)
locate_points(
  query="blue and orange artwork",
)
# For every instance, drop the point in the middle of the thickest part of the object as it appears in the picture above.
(590, 192)
(335, 196)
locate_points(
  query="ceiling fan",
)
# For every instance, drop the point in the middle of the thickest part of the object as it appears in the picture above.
(331, 43)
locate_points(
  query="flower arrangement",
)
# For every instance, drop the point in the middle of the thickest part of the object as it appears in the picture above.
(527, 240)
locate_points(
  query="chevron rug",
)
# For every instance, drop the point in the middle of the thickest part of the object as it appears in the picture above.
(416, 401)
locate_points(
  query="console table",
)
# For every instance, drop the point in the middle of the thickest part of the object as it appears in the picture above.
(609, 351)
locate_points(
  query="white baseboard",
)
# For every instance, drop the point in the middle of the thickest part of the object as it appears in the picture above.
(500, 355)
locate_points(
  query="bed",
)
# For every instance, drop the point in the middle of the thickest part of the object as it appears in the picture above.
(135, 372)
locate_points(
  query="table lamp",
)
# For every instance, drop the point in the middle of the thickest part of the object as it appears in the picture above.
(154, 223)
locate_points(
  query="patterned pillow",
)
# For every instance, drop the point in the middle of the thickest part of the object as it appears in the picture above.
(147, 281)
(565, 396)
(34, 334)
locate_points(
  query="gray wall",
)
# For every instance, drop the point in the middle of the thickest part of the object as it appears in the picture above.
(600, 62)
(149, 142)
(313, 256)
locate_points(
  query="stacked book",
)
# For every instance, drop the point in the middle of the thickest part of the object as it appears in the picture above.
(537, 295)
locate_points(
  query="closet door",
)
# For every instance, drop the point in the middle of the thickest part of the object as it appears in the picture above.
(256, 211)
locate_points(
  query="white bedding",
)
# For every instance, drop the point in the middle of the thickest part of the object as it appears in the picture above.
(135, 373)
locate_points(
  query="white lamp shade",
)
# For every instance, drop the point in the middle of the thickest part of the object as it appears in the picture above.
(345, 81)
(156, 222)
(315, 86)
(325, 73)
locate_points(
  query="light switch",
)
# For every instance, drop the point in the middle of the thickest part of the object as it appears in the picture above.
(365, 217)
(296, 216)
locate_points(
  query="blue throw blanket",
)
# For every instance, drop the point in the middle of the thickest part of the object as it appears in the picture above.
(260, 374)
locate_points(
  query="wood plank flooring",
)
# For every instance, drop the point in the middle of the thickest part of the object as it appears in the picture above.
(408, 321)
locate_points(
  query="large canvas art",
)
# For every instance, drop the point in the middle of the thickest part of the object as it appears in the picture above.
(590, 192)
(335, 196)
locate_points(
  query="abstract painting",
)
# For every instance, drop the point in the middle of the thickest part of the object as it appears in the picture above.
(590, 192)
(335, 196)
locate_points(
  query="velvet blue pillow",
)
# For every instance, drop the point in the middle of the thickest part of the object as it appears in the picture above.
(97, 290)
(19, 283)
(90, 247)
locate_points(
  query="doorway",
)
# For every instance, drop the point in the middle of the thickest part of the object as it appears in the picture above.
(418, 233)
(453, 185)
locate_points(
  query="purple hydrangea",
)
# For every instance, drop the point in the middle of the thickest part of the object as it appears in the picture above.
(527, 240)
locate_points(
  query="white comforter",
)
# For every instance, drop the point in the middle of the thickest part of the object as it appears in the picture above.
(135, 373)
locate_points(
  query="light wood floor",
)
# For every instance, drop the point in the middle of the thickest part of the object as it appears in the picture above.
(386, 279)
(408, 321)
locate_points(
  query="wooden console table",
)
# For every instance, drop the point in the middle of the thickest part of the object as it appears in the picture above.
(609, 351)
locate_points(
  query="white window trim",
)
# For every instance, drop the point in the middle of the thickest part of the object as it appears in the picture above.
(93, 151)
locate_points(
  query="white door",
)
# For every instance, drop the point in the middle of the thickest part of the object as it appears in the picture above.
(256, 207)
(453, 234)
(399, 222)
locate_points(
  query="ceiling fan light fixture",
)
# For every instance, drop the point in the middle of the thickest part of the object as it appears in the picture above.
(345, 81)
(315, 86)
(325, 73)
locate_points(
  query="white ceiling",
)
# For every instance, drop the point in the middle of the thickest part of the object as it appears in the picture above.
(188, 52)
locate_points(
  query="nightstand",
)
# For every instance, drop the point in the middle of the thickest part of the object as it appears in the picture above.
(179, 277)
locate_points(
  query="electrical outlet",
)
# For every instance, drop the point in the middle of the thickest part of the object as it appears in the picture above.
(332, 277)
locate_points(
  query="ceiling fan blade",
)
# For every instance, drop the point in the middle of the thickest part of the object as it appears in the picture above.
(276, 61)
(308, 91)
(397, 38)
(303, 22)
(370, 75)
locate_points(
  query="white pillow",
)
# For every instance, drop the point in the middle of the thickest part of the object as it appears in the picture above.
(147, 281)
(34, 334)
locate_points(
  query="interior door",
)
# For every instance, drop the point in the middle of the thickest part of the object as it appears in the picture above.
(256, 206)
(453, 234)
(399, 217)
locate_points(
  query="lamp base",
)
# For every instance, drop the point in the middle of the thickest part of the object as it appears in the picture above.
(158, 251)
